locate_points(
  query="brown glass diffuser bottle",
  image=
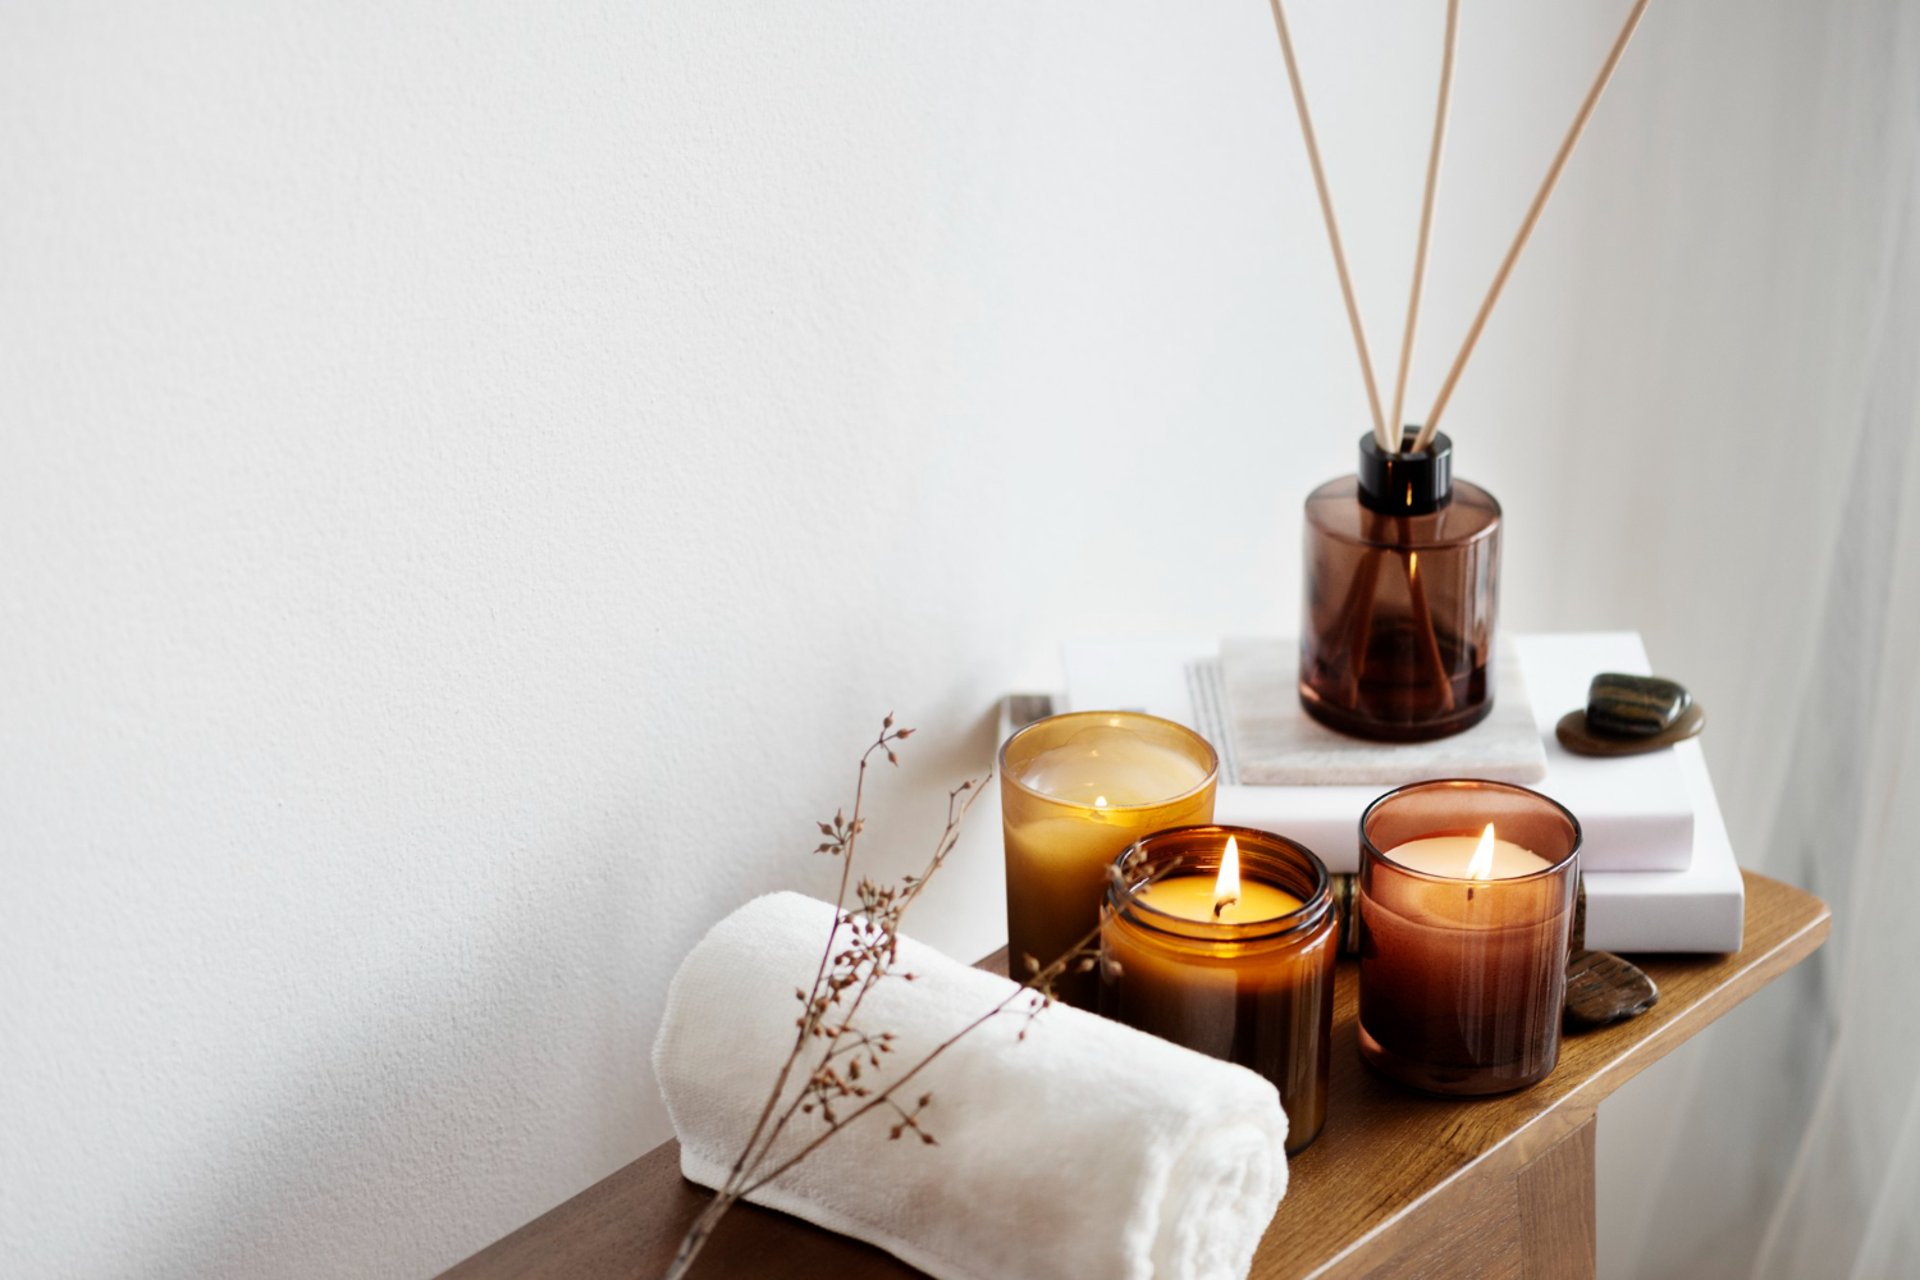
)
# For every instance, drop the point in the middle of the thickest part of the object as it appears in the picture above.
(1400, 593)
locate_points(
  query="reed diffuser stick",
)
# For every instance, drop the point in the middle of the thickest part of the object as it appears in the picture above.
(1533, 215)
(1423, 620)
(1426, 221)
(1333, 226)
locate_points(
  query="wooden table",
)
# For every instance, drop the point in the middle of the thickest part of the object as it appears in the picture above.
(1396, 1185)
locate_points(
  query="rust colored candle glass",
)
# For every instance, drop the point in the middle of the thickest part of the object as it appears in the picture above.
(1465, 903)
(1402, 569)
(1241, 970)
(1075, 791)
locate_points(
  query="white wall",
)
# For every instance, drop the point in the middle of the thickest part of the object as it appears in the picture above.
(474, 473)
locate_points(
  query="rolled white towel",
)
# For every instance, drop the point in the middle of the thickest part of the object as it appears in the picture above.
(1087, 1149)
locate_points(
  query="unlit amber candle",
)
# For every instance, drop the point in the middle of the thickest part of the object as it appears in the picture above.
(1075, 791)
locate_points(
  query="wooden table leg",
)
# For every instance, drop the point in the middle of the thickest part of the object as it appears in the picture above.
(1557, 1210)
(1533, 1222)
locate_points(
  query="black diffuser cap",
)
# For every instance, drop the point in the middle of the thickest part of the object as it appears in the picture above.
(1406, 483)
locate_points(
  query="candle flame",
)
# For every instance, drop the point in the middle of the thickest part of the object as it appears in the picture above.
(1226, 886)
(1099, 802)
(1480, 866)
(1413, 557)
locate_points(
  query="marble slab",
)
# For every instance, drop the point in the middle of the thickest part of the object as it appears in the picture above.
(1277, 744)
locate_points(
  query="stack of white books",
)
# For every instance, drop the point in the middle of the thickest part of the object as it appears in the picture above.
(1659, 871)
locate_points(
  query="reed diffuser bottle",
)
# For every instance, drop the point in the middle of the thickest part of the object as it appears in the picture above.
(1402, 560)
(1400, 594)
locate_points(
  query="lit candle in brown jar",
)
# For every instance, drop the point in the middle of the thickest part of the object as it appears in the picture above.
(1075, 791)
(1225, 940)
(1465, 903)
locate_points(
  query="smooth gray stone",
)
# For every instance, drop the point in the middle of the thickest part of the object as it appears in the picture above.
(1634, 706)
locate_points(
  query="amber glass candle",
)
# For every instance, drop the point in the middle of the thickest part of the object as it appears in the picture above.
(1250, 982)
(1075, 791)
(1465, 903)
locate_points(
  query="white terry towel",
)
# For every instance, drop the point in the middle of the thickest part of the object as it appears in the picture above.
(1087, 1149)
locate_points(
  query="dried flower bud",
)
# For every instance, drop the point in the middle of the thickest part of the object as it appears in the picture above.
(928, 1139)
(904, 734)
(1030, 964)
(1111, 968)
(926, 1099)
(892, 758)
(888, 722)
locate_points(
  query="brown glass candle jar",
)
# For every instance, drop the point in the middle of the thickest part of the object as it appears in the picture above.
(1253, 986)
(1402, 569)
(1076, 791)
(1465, 900)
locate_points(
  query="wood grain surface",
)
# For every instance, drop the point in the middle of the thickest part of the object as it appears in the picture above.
(1397, 1183)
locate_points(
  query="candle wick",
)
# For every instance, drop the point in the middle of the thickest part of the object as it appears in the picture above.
(1221, 904)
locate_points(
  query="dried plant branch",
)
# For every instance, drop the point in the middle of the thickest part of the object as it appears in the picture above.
(841, 838)
(844, 1062)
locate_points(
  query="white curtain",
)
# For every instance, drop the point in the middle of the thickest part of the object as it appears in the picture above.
(1786, 1143)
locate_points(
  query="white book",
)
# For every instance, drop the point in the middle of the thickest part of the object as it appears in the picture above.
(1659, 869)
(1635, 812)
(1703, 908)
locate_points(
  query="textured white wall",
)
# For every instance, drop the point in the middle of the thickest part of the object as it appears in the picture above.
(472, 474)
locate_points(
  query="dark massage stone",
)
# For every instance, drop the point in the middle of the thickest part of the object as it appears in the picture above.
(1634, 706)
